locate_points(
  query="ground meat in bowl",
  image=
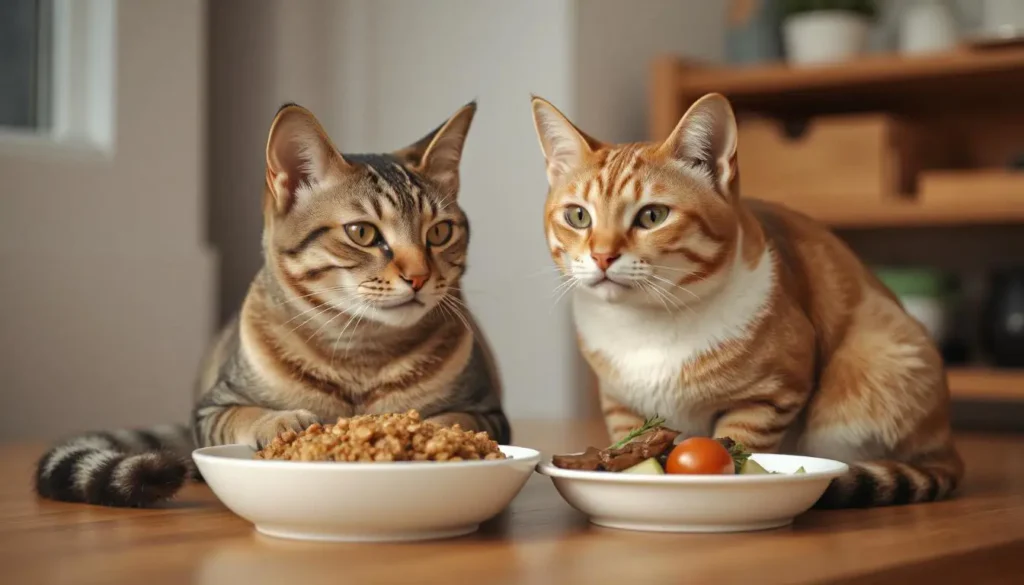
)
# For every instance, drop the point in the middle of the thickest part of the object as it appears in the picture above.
(382, 437)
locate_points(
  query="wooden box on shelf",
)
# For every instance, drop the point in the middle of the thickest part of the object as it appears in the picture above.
(1001, 190)
(841, 158)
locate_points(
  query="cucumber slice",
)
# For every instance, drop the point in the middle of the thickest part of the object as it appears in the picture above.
(647, 466)
(751, 467)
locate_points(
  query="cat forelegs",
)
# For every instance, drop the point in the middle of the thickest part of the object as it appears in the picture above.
(223, 418)
(618, 418)
(760, 422)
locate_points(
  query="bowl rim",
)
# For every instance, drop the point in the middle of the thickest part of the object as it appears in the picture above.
(547, 468)
(214, 456)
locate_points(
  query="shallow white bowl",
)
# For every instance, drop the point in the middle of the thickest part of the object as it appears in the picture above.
(363, 501)
(698, 503)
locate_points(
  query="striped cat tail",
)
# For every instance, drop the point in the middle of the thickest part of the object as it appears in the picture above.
(893, 483)
(125, 468)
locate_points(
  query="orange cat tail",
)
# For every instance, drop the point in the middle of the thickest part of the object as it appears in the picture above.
(892, 483)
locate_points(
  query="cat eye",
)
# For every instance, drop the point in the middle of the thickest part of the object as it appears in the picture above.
(439, 233)
(650, 216)
(363, 233)
(577, 217)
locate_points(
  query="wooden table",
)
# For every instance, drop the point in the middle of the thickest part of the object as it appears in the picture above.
(978, 537)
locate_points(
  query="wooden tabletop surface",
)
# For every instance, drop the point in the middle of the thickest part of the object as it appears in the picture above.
(977, 537)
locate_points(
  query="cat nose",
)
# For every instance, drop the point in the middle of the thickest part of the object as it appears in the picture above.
(416, 281)
(604, 261)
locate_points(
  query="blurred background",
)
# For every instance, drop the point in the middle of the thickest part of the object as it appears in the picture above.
(131, 159)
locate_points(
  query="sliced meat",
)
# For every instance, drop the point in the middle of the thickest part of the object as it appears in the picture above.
(589, 460)
(650, 444)
(657, 441)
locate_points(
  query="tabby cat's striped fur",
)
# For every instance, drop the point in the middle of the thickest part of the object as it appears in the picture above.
(732, 317)
(356, 310)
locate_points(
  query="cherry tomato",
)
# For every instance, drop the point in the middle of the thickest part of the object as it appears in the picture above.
(700, 455)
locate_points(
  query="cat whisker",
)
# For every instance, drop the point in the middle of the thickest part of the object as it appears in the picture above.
(674, 300)
(343, 330)
(450, 315)
(650, 291)
(679, 286)
(572, 285)
(328, 304)
(294, 317)
(689, 273)
(458, 312)
(368, 307)
(326, 290)
(445, 202)
(564, 285)
(457, 301)
(325, 324)
(442, 308)
(301, 325)
(669, 268)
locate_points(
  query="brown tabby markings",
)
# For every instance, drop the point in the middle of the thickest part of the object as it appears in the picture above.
(356, 310)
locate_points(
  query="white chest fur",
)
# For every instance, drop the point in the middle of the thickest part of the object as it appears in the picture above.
(648, 347)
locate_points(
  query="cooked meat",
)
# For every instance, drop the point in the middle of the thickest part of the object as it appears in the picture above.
(589, 460)
(650, 444)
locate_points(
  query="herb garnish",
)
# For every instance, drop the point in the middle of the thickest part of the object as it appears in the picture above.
(649, 425)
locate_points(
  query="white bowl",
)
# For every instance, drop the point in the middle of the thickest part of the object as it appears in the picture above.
(335, 501)
(698, 503)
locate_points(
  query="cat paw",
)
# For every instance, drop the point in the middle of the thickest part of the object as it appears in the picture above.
(274, 424)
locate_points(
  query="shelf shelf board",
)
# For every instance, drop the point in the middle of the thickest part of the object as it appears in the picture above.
(887, 81)
(977, 383)
(895, 213)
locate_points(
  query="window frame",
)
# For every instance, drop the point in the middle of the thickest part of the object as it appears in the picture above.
(81, 85)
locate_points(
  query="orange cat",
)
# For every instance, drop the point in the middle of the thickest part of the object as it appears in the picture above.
(740, 318)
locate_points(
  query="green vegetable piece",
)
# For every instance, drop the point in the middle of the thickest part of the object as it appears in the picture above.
(801, 470)
(737, 451)
(646, 467)
(751, 467)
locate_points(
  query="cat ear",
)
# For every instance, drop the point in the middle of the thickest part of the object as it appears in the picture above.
(565, 146)
(706, 137)
(436, 156)
(299, 156)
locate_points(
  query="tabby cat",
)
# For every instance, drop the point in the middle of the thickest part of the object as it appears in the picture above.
(357, 309)
(740, 318)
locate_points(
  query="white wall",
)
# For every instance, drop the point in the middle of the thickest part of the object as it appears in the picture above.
(617, 41)
(261, 55)
(409, 65)
(107, 284)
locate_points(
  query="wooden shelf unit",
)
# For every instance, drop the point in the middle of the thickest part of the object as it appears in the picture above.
(976, 92)
(977, 383)
(986, 83)
(843, 214)
(882, 82)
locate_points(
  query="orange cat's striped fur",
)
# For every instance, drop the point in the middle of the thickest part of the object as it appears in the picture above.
(735, 317)
(357, 310)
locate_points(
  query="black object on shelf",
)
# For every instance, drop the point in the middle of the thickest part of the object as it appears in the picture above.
(1003, 324)
(955, 351)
